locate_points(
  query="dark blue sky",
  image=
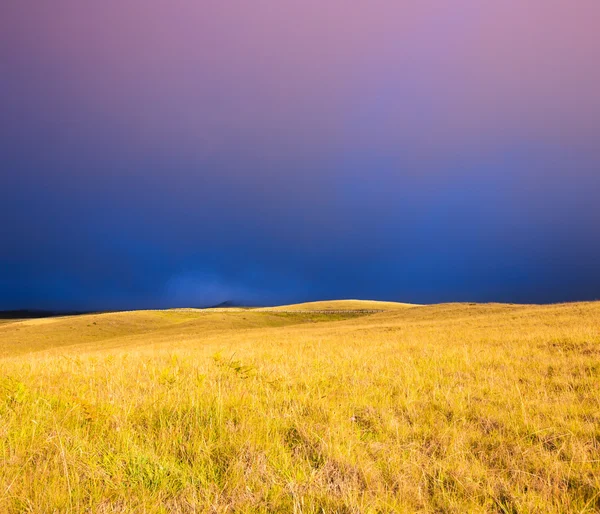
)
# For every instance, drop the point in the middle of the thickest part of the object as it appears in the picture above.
(160, 154)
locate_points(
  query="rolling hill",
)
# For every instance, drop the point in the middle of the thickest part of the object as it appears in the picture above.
(322, 407)
(340, 305)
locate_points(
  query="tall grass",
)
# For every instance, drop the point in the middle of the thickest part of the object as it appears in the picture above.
(449, 408)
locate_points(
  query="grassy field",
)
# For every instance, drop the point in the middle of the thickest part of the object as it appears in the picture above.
(446, 408)
(339, 306)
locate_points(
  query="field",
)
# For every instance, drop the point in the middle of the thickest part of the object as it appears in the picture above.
(333, 407)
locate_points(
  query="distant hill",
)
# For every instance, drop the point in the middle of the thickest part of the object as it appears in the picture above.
(227, 305)
(33, 314)
(342, 305)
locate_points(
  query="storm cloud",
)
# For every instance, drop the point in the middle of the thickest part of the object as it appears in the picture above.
(157, 154)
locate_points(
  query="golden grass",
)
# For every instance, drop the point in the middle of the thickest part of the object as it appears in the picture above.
(448, 408)
(340, 305)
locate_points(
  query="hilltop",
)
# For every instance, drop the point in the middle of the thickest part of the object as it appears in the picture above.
(341, 305)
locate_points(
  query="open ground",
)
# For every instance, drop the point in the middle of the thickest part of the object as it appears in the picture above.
(329, 407)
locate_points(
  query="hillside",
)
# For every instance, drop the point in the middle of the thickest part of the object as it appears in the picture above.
(442, 408)
(341, 305)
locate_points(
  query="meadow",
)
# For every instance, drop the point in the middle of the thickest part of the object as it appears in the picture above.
(348, 407)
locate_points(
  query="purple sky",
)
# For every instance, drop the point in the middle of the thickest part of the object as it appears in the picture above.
(160, 153)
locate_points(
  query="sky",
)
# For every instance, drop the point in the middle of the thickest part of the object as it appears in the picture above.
(166, 153)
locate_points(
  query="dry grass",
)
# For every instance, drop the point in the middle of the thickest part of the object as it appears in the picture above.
(340, 305)
(449, 408)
